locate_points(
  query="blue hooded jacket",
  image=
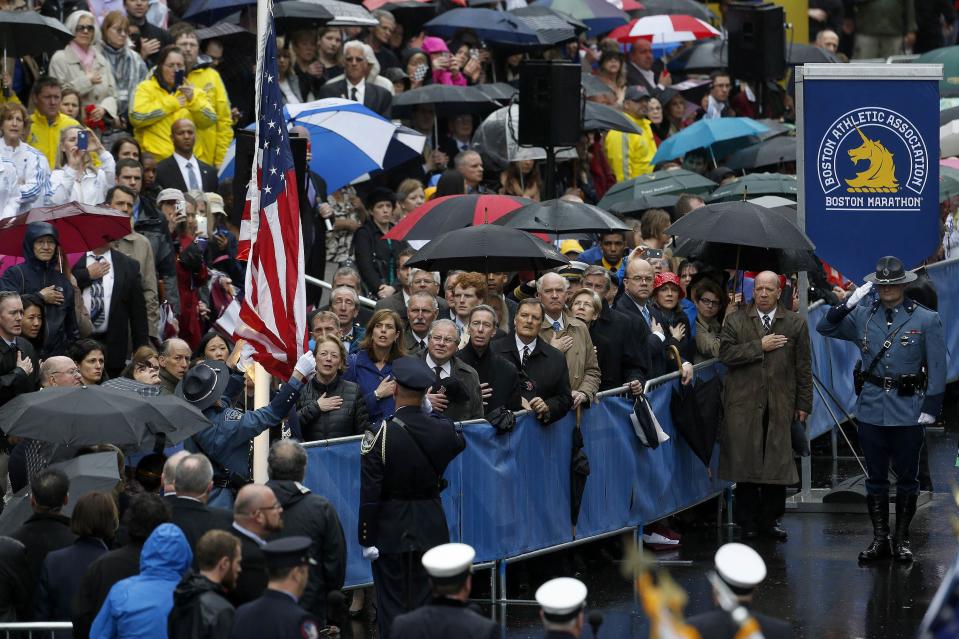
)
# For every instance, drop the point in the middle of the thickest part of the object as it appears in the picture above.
(60, 320)
(138, 607)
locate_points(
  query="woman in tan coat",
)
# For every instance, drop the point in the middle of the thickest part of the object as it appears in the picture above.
(81, 66)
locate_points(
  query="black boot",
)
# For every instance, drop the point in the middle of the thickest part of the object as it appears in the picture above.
(905, 509)
(880, 547)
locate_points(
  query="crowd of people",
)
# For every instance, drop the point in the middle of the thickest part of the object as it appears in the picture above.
(138, 114)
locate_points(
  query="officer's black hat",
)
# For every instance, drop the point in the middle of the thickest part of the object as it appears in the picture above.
(203, 384)
(288, 552)
(889, 270)
(413, 373)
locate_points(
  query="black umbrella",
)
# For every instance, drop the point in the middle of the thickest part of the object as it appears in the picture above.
(741, 223)
(675, 7)
(561, 217)
(748, 258)
(657, 183)
(600, 117)
(294, 15)
(29, 33)
(87, 415)
(87, 474)
(447, 99)
(773, 151)
(948, 115)
(755, 184)
(230, 34)
(797, 53)
(578, 474)
(500, 91)
(487, 248)
(643, 203)
(537, 11)
(702, 57)
(697, 413)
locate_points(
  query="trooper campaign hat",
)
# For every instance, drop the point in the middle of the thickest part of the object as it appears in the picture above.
(890, 270)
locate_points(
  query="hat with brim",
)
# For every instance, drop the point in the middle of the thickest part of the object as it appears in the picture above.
(203, 384)
(890, 270)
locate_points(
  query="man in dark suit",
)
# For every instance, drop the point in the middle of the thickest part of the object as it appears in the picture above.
(741, 570)
(499, 380)
(193, 481)
(622, 357)
(401, 477)
(354, 86)
(421, 312)
(644, 70)
(544, 382)
(456, 391)
(183, 170)
(113, 294)
(257, 514)
(19, 366)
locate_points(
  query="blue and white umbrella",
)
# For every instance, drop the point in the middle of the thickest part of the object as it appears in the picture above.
(707, 132)
(349, 141)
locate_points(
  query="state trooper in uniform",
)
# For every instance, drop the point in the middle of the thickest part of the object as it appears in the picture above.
(401, 476)
(208, 386)
(562, 603)
(448, 614)
(277, 613)
(900, 381)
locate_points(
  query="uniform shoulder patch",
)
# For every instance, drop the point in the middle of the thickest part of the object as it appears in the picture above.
(309, 630)
(369, 439)
(232, 414)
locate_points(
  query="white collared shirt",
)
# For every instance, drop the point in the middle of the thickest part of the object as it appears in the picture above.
(106, 281)
(520, 346)
(771, 314)
(445, 369)
(360, 90)
(252, 535)
(550, 321)
(181, 162)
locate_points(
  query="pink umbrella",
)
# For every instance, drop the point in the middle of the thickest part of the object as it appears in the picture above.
(665, 29)
(953, 162)
(81, 227)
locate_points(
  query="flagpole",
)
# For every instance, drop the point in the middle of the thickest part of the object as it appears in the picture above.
(261, 379)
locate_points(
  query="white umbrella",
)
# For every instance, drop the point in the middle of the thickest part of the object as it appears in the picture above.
(949, 139)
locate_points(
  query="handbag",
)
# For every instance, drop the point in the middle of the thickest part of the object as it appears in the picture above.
(799, 438)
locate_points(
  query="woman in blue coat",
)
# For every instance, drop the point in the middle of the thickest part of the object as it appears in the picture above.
(372, 365)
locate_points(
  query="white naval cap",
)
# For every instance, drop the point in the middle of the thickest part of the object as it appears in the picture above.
(740, 566)
(448, 560)
(562, 598)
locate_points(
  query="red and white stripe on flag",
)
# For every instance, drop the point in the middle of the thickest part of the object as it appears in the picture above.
(273, 313)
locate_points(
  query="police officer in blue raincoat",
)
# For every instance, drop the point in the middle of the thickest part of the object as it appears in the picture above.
(227, 442)
(900, 379)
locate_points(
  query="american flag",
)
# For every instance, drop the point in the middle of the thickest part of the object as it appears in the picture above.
(273, 314)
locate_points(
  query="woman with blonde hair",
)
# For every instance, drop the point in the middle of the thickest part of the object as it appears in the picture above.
(128, 67)
(75, 177)
(84, 68)
(409, 195)
(330, 406)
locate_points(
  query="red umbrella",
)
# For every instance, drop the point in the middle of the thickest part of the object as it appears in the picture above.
(451, 212)
(664, 29)
(373, 5)
(81, 227)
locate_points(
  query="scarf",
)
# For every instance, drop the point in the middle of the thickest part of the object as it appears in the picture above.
(87, 57)
(128, 71)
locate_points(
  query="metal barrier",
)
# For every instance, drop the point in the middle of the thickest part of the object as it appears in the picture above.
(28, 630)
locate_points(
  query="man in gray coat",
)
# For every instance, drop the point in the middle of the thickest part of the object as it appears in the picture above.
(769, 385)
(456, 392)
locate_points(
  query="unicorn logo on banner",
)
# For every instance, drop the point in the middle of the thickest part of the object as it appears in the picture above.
(880, 175)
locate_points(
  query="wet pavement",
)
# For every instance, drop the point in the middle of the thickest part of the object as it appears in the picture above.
(814, 580)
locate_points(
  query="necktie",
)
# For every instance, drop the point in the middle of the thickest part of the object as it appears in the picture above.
(191, 177)
(767, 324)
(645, 312)
(557, 327)
(889, 317)
(97, 313)
(353, 94)
(525, 356)
(421, 346)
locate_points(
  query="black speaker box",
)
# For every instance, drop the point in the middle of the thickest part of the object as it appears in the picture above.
(549, 103)
(243, 164)
(757, 41)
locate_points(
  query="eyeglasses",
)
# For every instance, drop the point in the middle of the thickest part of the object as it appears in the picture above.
(148, 367)
(639, 279)
(705, 301)
(442, 340)
(275, 506)
(75, 372)
(85, 27)
(353, 59)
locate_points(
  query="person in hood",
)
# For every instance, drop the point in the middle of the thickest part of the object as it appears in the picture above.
(200, 608)
(138, 606)
(40, 273)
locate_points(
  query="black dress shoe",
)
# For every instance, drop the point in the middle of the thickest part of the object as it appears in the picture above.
(776, 532)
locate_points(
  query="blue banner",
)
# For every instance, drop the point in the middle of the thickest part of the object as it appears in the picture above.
(871, 169)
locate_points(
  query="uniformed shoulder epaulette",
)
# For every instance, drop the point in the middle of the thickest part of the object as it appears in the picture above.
(232, 414)
(370, 438)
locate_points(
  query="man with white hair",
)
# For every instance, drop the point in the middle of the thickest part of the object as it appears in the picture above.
(354, 85)
(456, 392)
(59, 371)
(571, 336)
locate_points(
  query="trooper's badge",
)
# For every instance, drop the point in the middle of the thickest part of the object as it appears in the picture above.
(309, 630)
(232, 414)
(369, 439)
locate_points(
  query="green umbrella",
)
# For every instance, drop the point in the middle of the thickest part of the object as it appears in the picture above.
(756, 184)
(948, 57)
(948, 182)
(657, 183)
